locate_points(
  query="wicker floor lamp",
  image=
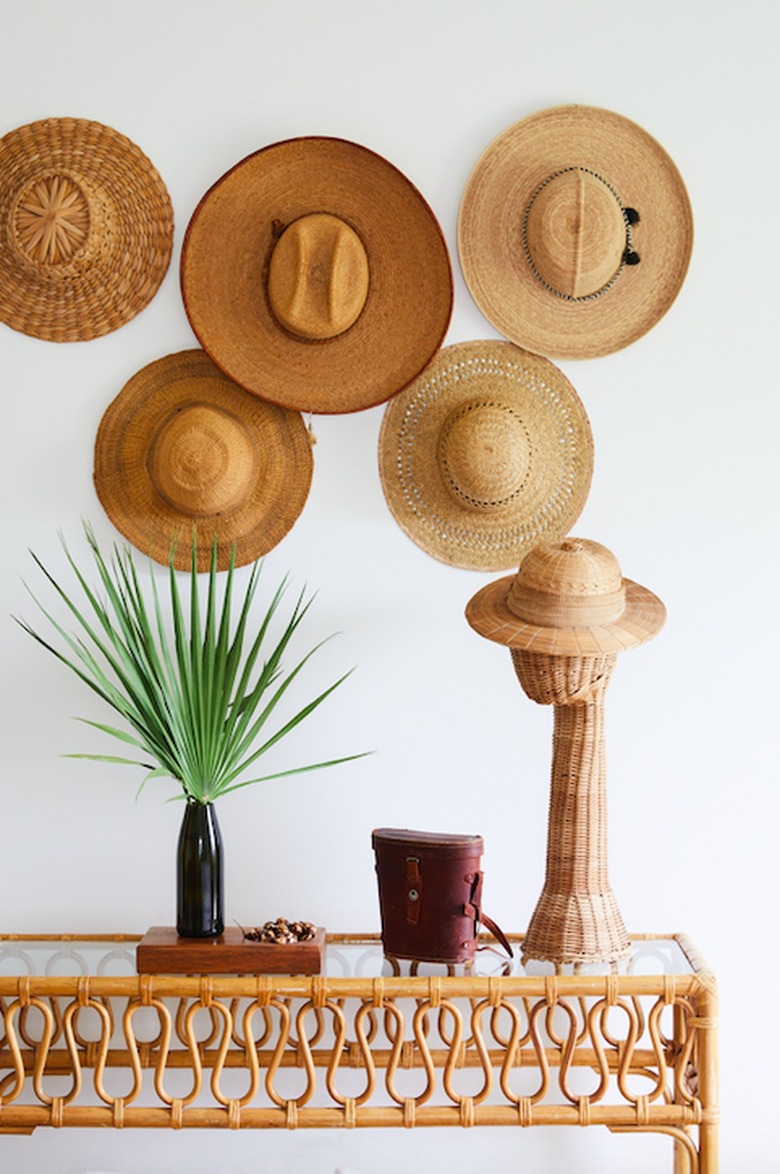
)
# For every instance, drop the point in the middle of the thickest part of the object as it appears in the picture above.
(564, 616)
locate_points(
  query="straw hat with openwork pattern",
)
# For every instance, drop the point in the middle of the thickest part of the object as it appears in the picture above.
(575, 232)
(182, 450)
(316, 276)
(86, 229)
(486, 454)
(568, 598)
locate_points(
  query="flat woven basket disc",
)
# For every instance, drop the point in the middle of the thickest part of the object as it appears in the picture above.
(227, 253)
(486, 454)
(182, 450)
(634, 170)
(86, 229)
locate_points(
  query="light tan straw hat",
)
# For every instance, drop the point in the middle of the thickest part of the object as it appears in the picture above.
(183, 449)
(575, 232)
(86, 229)
(568, 598)
(486, 454)
(316, 276)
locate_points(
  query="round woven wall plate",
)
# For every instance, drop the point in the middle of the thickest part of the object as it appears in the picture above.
(183, 450)
(86, 229)
(486, 454)
(625, 174)
(227, 253)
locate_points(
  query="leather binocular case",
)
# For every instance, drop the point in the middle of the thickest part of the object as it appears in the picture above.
(430, 894)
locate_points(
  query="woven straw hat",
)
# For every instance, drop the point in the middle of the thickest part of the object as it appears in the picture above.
(316, 276)
(86, 229)
(486, 454)
(568, 598)
(575, 232)
(183, 449)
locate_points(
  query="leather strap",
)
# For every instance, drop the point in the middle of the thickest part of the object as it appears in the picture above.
(472, 909)
(413, 889)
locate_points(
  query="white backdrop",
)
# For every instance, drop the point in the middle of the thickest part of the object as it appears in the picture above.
(685, 492)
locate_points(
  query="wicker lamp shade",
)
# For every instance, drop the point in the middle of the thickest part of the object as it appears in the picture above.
(564, 616)
(316, 276)
(184, 451)
(486, 454)
(575, 232)
(86, 229)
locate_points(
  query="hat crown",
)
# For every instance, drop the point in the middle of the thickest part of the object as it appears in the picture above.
(574, 233)
(51, 219)
(202, 461)
(572, 583)
(318, 277)
(485, 453)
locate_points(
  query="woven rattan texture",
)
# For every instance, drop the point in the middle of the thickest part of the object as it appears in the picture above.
(576, 918)
(87, 229)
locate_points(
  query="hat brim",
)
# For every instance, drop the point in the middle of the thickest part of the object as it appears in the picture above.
(129, 496)
(560, 463)
(227, 250)
(118, 269)
(488, 614)
(494, 203)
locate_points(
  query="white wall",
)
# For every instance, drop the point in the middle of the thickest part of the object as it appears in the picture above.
(685, 492)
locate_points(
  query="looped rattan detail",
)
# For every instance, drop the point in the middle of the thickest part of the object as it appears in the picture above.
(24, 991)
(633, 1052)
(583, 1111)
(612, 987)
(525, 1110)
(318, 991)
(57, 1111)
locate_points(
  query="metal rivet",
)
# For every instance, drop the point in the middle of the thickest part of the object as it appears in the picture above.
(414, 895)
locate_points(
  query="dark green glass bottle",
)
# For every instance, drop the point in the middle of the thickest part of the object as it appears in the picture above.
(199, 883)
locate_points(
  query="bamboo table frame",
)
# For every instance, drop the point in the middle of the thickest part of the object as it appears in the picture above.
(387, 1046)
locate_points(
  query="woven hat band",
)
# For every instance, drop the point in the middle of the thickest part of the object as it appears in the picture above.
(574, 233)
(485, 454)
(565, 611)
(318, 277)
(202, 461)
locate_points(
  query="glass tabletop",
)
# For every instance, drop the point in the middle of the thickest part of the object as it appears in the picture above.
(346, 956)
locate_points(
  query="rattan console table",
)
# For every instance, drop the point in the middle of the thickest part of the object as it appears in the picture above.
(86, 1041)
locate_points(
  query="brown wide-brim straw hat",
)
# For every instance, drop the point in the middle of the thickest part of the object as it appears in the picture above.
(86, 229)
(316, 276)
(486, 454)
(568, 598)
(575, 232)
(184, 451)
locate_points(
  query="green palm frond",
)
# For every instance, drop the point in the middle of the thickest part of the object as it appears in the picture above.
(199, 691)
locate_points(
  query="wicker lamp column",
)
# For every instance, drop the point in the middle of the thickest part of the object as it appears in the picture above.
(564, 616)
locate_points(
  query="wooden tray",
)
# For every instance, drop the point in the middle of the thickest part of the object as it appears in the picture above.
(162, 951)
